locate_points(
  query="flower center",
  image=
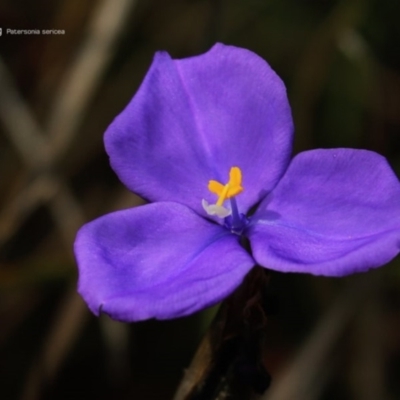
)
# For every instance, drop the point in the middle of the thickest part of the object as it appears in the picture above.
(224, 192)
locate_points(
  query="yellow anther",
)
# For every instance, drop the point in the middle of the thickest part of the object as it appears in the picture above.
(231, 189)
(235, 177)
(215, 187)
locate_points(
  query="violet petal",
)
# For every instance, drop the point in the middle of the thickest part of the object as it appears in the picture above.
(193, 119)
(157, 261)
(335, 212)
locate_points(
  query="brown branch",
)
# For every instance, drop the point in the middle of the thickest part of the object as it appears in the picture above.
(229, 358)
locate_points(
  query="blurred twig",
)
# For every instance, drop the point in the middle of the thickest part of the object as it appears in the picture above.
(68, 216)
(367, 363)
(313, 69)
(75, 94)
(307, 374)
(38, 154)
(116, 339)
(21, 126)
(25, 134)
(16, 210)
(60, 338)
(82, 79)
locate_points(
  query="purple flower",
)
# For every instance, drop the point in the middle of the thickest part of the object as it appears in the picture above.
(207, 140)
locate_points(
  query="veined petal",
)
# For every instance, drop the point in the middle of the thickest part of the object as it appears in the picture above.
(335, 212)
(194, 119)
(157, 261)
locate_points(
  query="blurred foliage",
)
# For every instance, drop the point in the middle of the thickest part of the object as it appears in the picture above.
(341, 64)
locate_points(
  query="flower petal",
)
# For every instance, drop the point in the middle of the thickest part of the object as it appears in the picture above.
(157, 261)
(335, 212)
(194, 119)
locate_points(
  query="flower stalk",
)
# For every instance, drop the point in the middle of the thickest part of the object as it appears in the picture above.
(229, 362)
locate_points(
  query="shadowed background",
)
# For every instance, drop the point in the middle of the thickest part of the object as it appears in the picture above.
(326, 338)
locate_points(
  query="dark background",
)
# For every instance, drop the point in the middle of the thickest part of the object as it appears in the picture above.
(327, 338)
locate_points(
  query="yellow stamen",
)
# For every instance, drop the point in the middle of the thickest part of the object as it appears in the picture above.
(215, 187)
(235, 176)
(231, 189)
